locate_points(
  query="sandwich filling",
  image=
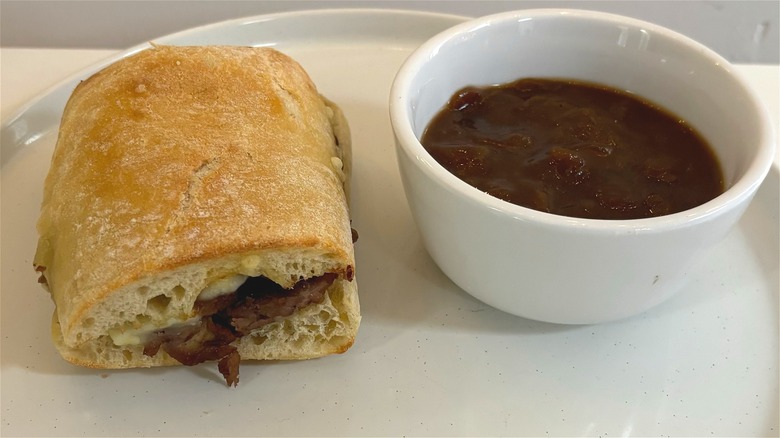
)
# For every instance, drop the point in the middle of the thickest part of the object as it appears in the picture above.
(225, 317)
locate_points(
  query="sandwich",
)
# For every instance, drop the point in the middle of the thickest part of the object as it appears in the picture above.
(196, 209)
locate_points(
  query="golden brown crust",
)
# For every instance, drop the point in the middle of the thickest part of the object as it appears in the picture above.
(177, 156)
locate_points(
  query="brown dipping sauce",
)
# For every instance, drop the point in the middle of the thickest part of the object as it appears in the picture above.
(573, 149)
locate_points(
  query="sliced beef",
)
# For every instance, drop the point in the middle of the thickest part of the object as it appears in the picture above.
(42, 277)
(228, 366)
(255, 311)
(210, 341)
(257, 302)
(212, 306)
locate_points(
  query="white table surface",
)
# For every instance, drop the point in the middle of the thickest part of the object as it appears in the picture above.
(26, 73)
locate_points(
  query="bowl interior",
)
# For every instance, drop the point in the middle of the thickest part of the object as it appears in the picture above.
(652, 62)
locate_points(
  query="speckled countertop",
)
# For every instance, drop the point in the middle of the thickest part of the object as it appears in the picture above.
(429, 359)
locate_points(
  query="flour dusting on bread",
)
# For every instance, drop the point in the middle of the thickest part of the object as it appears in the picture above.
(180, 167)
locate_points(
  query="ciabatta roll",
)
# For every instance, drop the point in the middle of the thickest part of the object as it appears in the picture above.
(196, 210)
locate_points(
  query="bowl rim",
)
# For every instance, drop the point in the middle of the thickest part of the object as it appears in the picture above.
(408, 143)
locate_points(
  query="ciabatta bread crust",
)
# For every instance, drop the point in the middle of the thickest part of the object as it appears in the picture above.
(178, 166)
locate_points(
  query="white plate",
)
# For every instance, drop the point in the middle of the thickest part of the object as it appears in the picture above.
(429, 359)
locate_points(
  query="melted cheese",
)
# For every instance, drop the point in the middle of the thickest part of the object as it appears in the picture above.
(223, 286)
(136, 336)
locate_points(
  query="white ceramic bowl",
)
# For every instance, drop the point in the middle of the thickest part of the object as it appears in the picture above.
(562, 269)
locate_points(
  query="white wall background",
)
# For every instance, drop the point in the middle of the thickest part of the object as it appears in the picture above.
(741, 31)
